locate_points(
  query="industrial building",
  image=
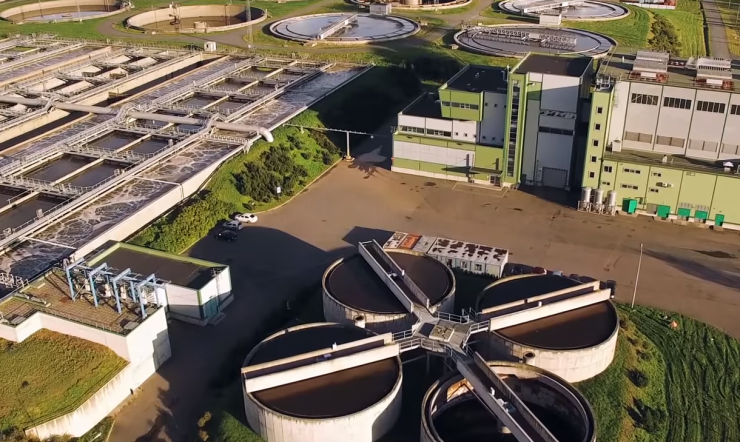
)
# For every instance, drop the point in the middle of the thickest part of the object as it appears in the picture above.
(500, 127)
(515, 354)
(664, 135)
(195, 290)
(98, 140)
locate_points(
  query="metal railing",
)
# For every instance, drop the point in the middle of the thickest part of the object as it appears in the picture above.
(402, 274)
(225, 139)
(38, 56)
(126, 156)
(452, 317)
(40, 185)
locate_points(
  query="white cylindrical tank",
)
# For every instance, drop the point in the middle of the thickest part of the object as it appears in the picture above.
(450, 411)
(351, 288)
(611, 198)
(586, 194)
(598, 196)
(573, 356)
(357, 404)
(360, 321)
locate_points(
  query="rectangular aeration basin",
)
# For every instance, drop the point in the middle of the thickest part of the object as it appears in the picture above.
(26, 211)
(115, 140)
(58, 168)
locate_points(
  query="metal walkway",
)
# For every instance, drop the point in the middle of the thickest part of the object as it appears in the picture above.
(449, 334)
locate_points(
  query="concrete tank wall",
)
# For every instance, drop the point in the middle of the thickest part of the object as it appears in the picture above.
(36, 8)
(555, 393)
(141, 21)
(573, 365)
(336, 311)
(364, 426)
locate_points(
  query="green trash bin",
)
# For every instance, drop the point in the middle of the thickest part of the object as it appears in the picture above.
(701, 214)
(684, 212)
(719, 219)
(629, 205)
(663, 211)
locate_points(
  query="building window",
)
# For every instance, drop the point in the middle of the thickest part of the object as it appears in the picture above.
(606, 183)
(445, 103)
(629, 186)
(593, 159)
(597, 126)
(654, 190)
(595, 143)
(464, 105)
(709, 146)
(438, 133)
(478, 268)
(553, 130)
(412, 129)
(608, 169)
(639, 137)
(710, 106)
(731, 149)
(669, 141)
(678, 103)
(651, 100)
(658, 174)
(599, 110)
(635, 171)
(735, 109)
(591, 175)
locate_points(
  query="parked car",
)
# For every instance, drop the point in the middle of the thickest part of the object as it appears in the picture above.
(517, 270)
(233, 225)
(539, 271)
(227, 235)
(246, 218)
(557, 272)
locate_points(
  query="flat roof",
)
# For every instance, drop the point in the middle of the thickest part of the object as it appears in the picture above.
(448, 248)
(354, 283)
(580, 328)
(479, 79)
(554, 65)
(179, 270)
(332, 395)
(426, 106)
(672, 161)
(52, 289)
(619, 66)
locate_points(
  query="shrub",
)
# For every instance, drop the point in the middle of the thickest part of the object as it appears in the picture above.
(639, 378)
(664, 36)
(650, 419)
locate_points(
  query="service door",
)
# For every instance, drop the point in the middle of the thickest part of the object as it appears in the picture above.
(554, 177)
(210, 308)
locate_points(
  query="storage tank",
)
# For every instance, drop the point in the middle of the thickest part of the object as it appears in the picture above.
(586, 194)
(351, 288)
(575, 345)
(598, 196)
(357, 404)
(451, 412)
(611, 198)
(411, 2)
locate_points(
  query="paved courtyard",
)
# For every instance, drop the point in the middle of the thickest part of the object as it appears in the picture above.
(688, 270)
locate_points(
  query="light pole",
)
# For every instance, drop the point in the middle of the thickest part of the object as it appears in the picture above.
(637, 278)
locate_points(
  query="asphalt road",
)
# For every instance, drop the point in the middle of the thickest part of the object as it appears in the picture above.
(718, 45)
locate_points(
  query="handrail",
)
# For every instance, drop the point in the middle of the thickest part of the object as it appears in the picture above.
(452, 317)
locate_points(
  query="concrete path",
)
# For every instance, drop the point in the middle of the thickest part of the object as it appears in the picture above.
(718, 46)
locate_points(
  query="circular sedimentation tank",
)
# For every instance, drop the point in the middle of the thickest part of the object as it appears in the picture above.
(452, 413)
(357, 404)
(575, 345)
(421, 5)
(590, 10)
(351, 29)
(519, 40)
(352, 289)
(196, 19)
(64, 11)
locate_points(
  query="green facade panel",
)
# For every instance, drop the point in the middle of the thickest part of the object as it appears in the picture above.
(725, 201)
(664, 186)
(631, 181)
(597, 131)
(696, 189)
(460, 145)
(406, 138)
(406, 164)
(489, 157)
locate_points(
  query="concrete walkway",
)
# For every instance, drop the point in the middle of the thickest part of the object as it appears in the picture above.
(718, 46)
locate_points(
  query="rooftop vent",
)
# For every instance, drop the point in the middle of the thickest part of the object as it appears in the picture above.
(714, 68)
(649, 61)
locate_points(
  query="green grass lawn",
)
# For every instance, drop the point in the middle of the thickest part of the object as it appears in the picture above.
(50, 374)
(693, 376)
(631, 31)
(690, 29)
